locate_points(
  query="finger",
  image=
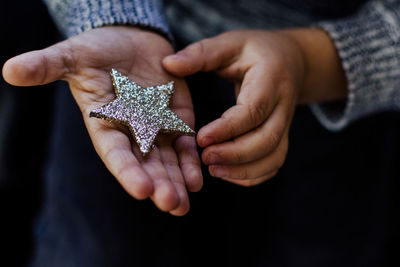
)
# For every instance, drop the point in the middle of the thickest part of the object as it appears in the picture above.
(179, 102)
(256, 100)
(170, 161)
(251, 170)
(186, 149)
(189, 162)
(39, 67)
(114, 148)
(205, 55)
(184, 205)
(165, 196)
(253, 145)
(252, 182)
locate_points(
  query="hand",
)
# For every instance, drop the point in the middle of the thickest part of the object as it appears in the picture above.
(84, 61)
(249, 143)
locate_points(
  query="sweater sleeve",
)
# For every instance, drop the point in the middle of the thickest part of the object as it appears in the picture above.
(368, 44)
(75, 16)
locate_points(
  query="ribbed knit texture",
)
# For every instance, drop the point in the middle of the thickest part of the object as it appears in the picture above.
(76, 16)
(368, 44)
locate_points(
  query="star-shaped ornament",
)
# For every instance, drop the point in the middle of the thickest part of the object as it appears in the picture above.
(143, 109)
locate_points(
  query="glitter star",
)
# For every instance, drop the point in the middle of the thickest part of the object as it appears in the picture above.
(144, 110)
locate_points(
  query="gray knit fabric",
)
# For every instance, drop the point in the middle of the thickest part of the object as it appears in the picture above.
(75, 16)
(196, 20)
(368, 41)
(369, 47)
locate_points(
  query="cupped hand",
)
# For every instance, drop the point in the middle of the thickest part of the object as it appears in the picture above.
(248, 143)
(84, 61)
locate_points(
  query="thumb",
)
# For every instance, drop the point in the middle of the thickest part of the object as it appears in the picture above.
(206, 55)
(39, 67)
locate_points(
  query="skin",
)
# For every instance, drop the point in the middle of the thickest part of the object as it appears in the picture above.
(273, 71)
(84, 61)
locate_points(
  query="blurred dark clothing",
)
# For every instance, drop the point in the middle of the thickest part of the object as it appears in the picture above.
(24, 127)
(194, 20)
(332, 204)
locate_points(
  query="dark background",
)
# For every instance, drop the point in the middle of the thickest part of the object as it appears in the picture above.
(24, 127)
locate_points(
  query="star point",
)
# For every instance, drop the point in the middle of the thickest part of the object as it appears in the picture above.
(144, 110)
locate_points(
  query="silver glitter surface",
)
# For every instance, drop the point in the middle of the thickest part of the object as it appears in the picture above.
(144, 110)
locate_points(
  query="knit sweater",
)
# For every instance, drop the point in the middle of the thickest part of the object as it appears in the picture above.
(366, 35)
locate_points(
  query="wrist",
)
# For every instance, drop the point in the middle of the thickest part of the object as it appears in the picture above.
(150, 46)
(324, 78)
(150, 38)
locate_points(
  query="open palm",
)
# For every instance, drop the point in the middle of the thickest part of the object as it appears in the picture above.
(84, 61)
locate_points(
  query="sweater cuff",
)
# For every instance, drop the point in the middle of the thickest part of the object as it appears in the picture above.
(368, 44)
(76, 16)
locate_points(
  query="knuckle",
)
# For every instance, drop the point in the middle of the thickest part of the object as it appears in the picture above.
(170, 164)
(68, 60)
(178, 183)
(122, 174)
(109, 154)
(241, 174)
(118, 160)
(46, 68)
(197, 48)
(273, 140)
(231, 130)
(256, 113)
(201, 47)
(228, 127)
(119, 169)
(237, 155)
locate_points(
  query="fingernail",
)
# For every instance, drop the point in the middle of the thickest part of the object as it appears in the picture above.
(218, 171)
(213, 159)
(207, 140)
